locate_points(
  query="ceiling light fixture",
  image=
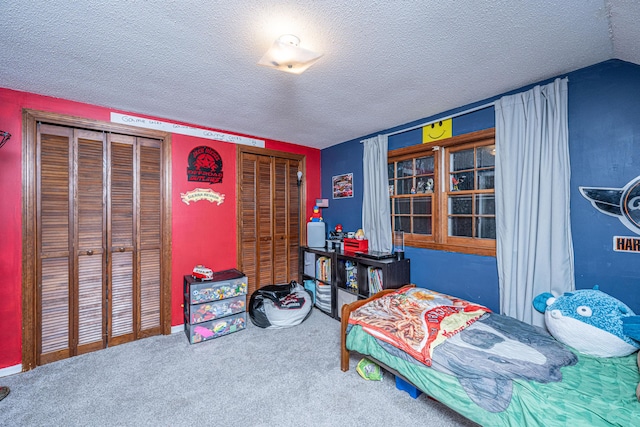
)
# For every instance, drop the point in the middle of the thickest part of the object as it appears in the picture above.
(286, 55)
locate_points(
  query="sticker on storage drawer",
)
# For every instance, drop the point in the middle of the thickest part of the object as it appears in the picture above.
(215, 309)
(212, 291)
(215, 328)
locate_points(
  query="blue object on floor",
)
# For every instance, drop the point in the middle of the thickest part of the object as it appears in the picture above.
(409, 388)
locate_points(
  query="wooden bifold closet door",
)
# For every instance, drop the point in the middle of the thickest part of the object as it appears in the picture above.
(98, 257)
(268, 209)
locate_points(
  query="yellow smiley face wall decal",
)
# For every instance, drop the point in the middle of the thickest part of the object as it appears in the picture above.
(436, 131)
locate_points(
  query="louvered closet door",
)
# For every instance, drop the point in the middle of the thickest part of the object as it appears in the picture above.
(248, 219)
(268, 212)
(122, 221)
(71, 235)
(99, 240)
(265, 212)
(285, 220)
(89, 241)
(149, 237)
(54, 269)
(135, 238)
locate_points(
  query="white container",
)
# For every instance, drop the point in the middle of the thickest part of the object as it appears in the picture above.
(316, 234)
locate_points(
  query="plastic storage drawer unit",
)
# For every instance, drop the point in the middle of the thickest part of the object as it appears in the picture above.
(215, 328)
(199, 313)
(224, 284)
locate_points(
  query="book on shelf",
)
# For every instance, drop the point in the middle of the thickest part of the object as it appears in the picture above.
(323, 268)
(375, 280)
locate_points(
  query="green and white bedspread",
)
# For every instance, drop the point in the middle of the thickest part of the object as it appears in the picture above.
(592, 392)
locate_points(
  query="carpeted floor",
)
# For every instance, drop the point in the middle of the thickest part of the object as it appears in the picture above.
(256, 377)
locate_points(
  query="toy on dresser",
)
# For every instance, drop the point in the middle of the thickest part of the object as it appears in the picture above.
(351, 274)
(316, 217)
(201, 272)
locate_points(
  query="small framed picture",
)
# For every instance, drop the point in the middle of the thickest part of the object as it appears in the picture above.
(342, 186)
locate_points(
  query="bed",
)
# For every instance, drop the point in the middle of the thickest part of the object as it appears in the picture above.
(492, 369)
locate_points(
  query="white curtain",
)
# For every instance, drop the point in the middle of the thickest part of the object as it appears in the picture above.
(376, 216)
(533, 242)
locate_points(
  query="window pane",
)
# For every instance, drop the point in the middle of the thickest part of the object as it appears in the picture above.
(485, 179)
(461, 226)
(485, 204)
(424, 184)
(404, 186)
(461, 181)
(391, 187)
(405, 168)
(424, 165)
(461, 160)
(460, 205)
(390, 169)
(486, 156)
(422, 225)
(403, 206)
(403, 223)
(422, 206)
(486, 227)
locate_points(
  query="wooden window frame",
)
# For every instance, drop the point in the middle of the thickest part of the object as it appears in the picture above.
(439, 239)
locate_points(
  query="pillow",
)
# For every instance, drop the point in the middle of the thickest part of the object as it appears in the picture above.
(589, 321)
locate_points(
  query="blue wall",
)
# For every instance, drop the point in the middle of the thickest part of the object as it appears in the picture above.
(604, 145)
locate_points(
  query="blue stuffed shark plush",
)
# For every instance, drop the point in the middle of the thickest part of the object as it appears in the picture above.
(591, 322)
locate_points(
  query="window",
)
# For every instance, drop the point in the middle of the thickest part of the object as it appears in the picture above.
(443, 197)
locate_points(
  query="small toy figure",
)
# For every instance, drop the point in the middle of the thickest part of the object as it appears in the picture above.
(455, 181)
(429, 188)
(339, 228)
(202, 272)
(359, 234)
(316, 215)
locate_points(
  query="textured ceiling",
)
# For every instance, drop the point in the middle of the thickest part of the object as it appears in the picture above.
(385, 63)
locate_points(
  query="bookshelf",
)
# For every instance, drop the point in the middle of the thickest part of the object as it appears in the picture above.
(340, 278)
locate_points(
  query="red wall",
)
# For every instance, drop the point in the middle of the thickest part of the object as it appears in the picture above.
(203, 232)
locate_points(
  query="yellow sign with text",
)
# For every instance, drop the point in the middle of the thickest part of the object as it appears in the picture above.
(437, 131)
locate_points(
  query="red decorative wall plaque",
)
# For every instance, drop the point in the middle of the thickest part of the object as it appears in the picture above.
(205, 165)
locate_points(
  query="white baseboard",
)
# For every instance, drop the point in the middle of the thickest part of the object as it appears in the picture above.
(11, 370)
(177, 328)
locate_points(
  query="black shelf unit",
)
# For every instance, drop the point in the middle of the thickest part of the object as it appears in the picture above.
(345, 266)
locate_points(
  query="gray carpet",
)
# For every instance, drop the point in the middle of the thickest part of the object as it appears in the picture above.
(255, 377)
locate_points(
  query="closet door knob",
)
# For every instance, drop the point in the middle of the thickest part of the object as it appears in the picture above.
(121, 249)
(89, 252)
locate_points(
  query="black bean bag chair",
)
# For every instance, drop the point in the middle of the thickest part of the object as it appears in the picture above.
(280, 306)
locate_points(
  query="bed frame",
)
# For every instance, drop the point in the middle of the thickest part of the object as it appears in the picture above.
(344, 323)
(614, 409)
(344, 352)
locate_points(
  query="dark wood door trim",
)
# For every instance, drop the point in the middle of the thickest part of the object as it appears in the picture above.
(30, 118)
